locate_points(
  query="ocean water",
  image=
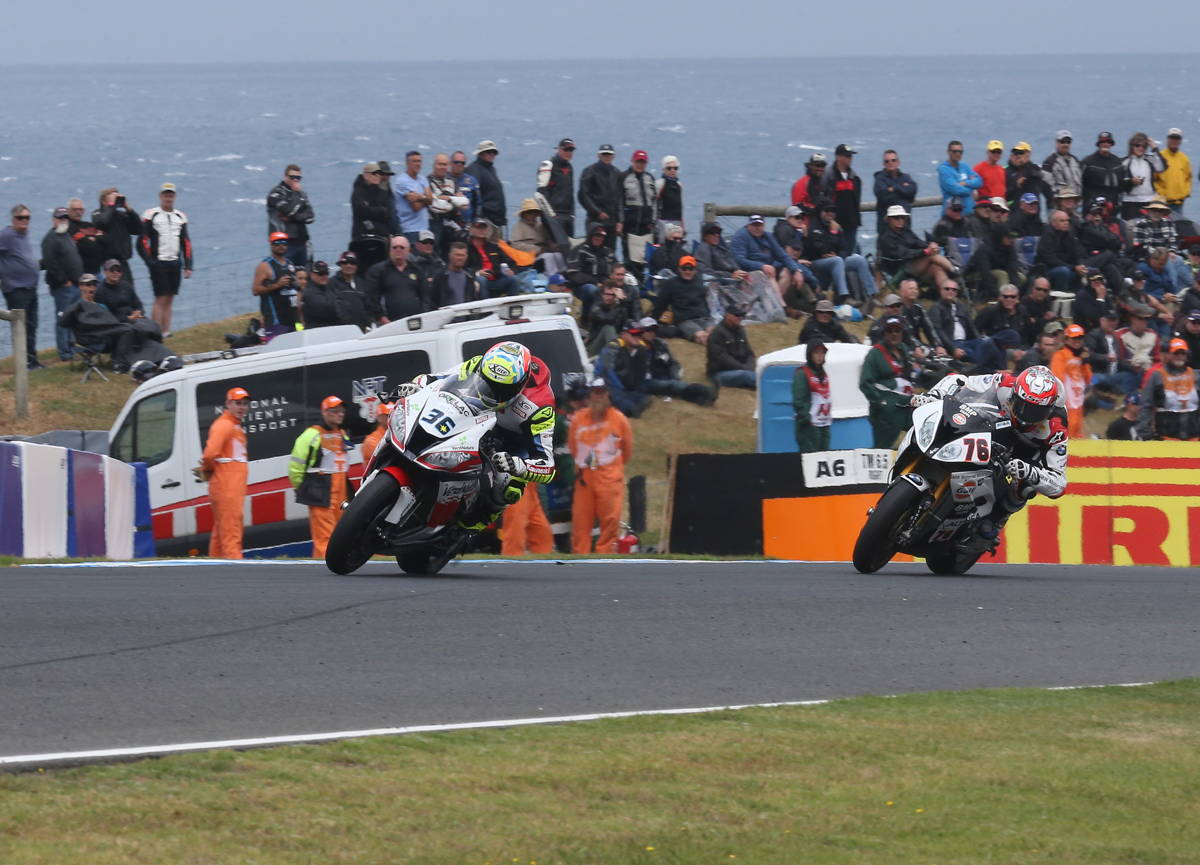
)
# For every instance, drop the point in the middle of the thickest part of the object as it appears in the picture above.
(742, 130)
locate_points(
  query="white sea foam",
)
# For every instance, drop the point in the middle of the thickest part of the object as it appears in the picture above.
(224, 157)
(362, 137)
(302, 133)
(802, 146)
(255, 167)
(110, 165)
(249, 201)
(270, 114)
(677, 129)
(5, 159)
(498, 81)
(8, 179)
(175, 174)
(235, 182)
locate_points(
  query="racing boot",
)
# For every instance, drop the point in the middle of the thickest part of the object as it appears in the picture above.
(1007, 504)
(491, 505)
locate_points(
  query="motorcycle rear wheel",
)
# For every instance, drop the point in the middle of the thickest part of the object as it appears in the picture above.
(952, 562)
(350, 545)
(876, 542)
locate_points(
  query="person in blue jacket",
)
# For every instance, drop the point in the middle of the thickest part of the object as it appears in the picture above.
(757, 249)
(958, 180)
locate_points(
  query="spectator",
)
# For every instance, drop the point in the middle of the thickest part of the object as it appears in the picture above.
(670, 196)
(1110, 365)
(318, 471)
(1003, 315)
(601, 443)
(63, 267)
(731, 360)
(467, 189)
(687, 299)
(884, 381)
(842, 187)
(1154, 229)
(824, 326)
(670, 251)
(1140, 345)
(1068, 201)
(412, 196)
(1070, 365)
(600, 195)
(1189, 332)
(290, 212)
(713, 256)
(491, 265)
(625, 365)
(954, 224)
(914, 314)
(810, 400)
(319, 298)
(92, 244)
(394, 288)
(1093, 301)
(1027, 221)
(455, 284)
(956, 180)
(556, 182)
(528, 234)
(1061, 170)
(19, 277)
(607, 319)
(120, 225)
(891, 306)
(807, 191)
(790, 230)
(491, 190)
(224, 466)
(665, 376)
(1022, 176)
(1060, 253)
(892, 187)
(589, 264)
(1038, 307)
(1170, 409)
(1142, 164)
(902, 251)
(130, 341)
(350, 298)
(373, 214)
(756, 250)
(425, 259)
(1174, 181)
(167, 250)
(383, 413)
(1043, 351)
(991, 172)
(862, 287)
(640, 208)
(1104, 174)
(952, 321)
(275, 286)
(1125, 428)
(444, 204)
(1101, 247)
(117, 293)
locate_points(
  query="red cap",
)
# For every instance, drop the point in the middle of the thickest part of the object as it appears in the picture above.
(641, 155)
(237, 393)
(331, 402)
(1177, 344)
(278, 235)
(1074, 330)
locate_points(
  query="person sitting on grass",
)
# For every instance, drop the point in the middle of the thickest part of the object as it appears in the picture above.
(731, 360)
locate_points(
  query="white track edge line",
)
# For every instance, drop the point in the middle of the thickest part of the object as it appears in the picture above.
(308, 738)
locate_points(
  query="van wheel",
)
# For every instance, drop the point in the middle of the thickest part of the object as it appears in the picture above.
(356, 537)
(414, 562)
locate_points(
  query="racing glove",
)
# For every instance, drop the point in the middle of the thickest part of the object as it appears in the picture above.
(402, 390)
(920, 399)
(1022, 471)
(509, 464)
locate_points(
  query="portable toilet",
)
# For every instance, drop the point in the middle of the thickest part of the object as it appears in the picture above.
(776, 417)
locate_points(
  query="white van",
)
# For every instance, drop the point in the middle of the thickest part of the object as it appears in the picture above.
(165, 421)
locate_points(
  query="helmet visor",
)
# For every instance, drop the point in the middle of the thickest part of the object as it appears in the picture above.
(480, 393)
(1028, 414)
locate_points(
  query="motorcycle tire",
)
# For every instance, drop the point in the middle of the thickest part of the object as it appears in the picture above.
(876, 542)
(350, 545)
(951, 563)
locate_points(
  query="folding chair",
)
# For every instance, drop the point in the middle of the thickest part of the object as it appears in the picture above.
(91, 356)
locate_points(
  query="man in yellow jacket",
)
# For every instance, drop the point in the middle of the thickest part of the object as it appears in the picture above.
(319, 457)
(1174, 183)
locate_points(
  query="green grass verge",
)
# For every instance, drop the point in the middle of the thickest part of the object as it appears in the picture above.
(1092, 776)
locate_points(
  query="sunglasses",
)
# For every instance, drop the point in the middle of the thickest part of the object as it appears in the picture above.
(959, 150)
(891, 160)
(670, 168)
(1008, 296)
(278, 243)
(460, 162)
(87, 282)
(687, 267)
(567, 149)
(295, 177)
(25, 218)
(949, 288)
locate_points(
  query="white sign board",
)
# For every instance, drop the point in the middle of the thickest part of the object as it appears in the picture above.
(847, 468)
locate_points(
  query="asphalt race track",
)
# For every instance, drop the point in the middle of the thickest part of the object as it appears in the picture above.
(148, 655)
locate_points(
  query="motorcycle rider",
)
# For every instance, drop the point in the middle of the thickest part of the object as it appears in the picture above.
(1033, 401)
(524, 408)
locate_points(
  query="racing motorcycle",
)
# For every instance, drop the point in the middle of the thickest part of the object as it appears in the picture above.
(948, 475)
(432, 466)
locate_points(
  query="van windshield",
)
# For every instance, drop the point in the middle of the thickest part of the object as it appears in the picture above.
(147, 434)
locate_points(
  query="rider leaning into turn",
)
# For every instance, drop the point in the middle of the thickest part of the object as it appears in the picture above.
(524, 410)
(1033, 399)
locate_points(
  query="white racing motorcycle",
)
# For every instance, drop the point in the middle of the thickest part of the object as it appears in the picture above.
(431, 467)
(948, 475)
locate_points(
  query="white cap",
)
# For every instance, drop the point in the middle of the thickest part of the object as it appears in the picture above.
(999, 202)
(670, 160)
(897, 210)
(1174, 130)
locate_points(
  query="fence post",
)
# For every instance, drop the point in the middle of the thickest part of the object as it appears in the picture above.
(20, 373)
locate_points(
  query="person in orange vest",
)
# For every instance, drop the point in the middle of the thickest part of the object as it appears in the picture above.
(525, 527)
(382, 415)
(1070, 366)
(224, 466)
(1170, 401)
(318, 471)
(601, 442)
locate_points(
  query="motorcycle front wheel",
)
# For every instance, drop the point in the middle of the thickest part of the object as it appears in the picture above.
(877, 541)
(354, 539)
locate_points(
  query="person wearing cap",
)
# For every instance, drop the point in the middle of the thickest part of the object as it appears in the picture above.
(669, 192)
(1125, 428)
(600, 440)
(824, 325)
(885, 380)
(1103, 248)
(117, 293)
(319, 298)
(685, 297)
(166, 248)
(276, 287)
(1070, 365)
(600, 195)
(1170, 408)
(224, 466)
(639, 202)
(1026, 220)
(1143, 163)
(1022, 175)
(1093, 300)
(1104, 174)
(903, 253)
(842, 187)
(810, 400)
(957, 180)
(992, 172)
(19, 266)
(394, 288)
(665, 377)
(755, 249)
(625, 365)
(383, 412)
(892, 187)
(290, 211)
(1139, 343)
(349, 296)
(491, 190)
(556, 181)
(953, 224)
(730, 358)
(373, 214)
(806, 192)
(588, 265)
(1188, 329)
(1174, 182)
(1061, 169)
(713, 255)
(63, 265)
(1059, 253)
(425, 259)
(317, 471)
(1111, 371)
(412, 197)
(606, 319)
(120, 224)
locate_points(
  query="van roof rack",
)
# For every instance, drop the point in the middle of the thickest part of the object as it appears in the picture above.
(521, 306)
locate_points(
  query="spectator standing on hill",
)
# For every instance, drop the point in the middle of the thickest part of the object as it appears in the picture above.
(19, 277)
(1022, 176)
(121, 226)
(892, 187)
(276, 287)
(1061, 169)
(413, 197)
(491, 190)
(394, 287)
(289, 211)
(807, 191)
(601, 444)
(167, 250)
(1143, 165)
(373, 212)
(455, 284)
(350, 297)
(556, 182)
(639, 201)
(466, 188)
(884, 381)
(731, 360)
(319, 298)
(810, 399)
(991, 172)
(444, 203)
(958, 182)
(600, 195)
(670, 196)
(224, 466)
(63, 268)
(1174, 182)
(588, 265)
(1104, 174)
(842, 187)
